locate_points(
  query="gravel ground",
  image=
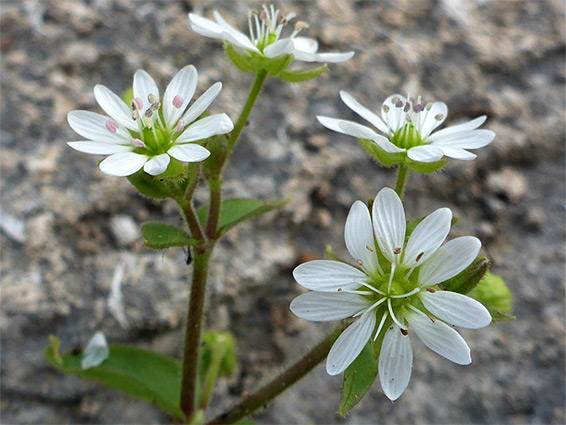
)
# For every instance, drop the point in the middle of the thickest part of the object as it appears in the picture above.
(67, 228)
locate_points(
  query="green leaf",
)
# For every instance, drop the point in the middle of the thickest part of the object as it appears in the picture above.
(467, 280)
(300, 75)
(218, 341)
(149, 376)
(237, 210)
(425, 167)
(174, 171)
(274, 66)
(387, 159)
(149, 186)
(493, 293)
(359, 376)
(162, 236)
(240, 59)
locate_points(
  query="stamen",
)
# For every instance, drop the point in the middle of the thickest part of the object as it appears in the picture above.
(418, 108)
(407, 107)
(397, 251)
(355, 291)
(428, 106)
(394, 100)
(391, 277)
(177, 101)
(385, 109)
(112, 126)
(438, 117)
(360, 262)
(155, 106)
(399, 104)
(408, 294)
(405, 332)
(263, 15)
(432, 319)
(138, 143)
(137, 103)
(151, 98)
(180, 126)
(380, 325)
(431, 290)
(374, 290)
(369, 248)
(408, 118)
(419, 257)
(390, 308)
(370, 308)
(149, 113)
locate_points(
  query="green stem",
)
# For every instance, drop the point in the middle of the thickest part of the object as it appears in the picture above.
(252, 97)
(218, 351)
(192, 334)
(264, 395)
(215, 190)
(401, 179)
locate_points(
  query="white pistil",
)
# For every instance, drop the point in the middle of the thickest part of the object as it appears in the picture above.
(391, 277)
(381, 323)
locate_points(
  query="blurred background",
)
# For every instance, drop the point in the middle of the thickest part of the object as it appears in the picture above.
(69, 232)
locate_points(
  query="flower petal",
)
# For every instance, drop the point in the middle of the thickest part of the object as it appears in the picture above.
(466, 140)
(322, 57)
(358, 130)
(205, 27)
(123, 164)
(144, 86)
(449, 260)
(427, 237)
(358, 235)
(461, 128)
(328, 276)
(280, 47)
(393, 116)
(389, 223)
(96, 351)
(440, 338)
(305, 44)
(93, 126)
(425, 153)
(456, 309)
(395, 363)
(363, 112)
(189, 152)
(432, 118)
(233, 35)
(202, 103)
(350, 344)
(206, 127)
(114, 106)
(323, 306)
(157, 165)
(457, 153)
(98, 148)
(386, 145)
(183, 84)
(332, 123)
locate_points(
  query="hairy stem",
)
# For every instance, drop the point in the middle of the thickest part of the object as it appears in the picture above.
(264, 395)
(401, 179)
(215, 190)
(192, 334)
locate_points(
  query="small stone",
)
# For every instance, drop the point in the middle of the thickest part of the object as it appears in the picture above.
(534, 219)
(124, 229)
(509, 183)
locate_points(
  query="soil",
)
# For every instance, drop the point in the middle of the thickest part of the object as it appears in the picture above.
(67, 228)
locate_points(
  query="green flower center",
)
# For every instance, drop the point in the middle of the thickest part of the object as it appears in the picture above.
(407, 137)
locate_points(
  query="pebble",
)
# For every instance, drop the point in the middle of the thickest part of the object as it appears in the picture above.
(124, 229)
(508, 182)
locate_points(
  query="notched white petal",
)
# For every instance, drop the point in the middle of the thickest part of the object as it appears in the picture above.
(395, 363)
(363, 112)
(279, 48)
(328, 276)
(358, 235)
(389, 223)
(202, 103)
(157, 165)
(357, 130)
(98, 148)
(123, 164)
(456, 309)
(425, 153)
(189, 152)
(324, 306)
(95, 352)
(206, 127)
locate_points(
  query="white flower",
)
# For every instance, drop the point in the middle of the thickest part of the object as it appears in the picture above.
(154, 130)
(409, 125)
(393, 289)
(96, 351)
(265, 36)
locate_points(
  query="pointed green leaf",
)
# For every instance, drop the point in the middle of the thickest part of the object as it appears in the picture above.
(493, 293)
(387, 159)
(425, 167)
(149, 186)
(358, 377)
(162, 236)
(236, 211)
(468, 279)
(274, 66)
(300, 75)
(240, 59)
(149, 376)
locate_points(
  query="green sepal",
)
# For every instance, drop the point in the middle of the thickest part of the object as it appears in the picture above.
(146, 375)
(300, 75)
(387, 159)
(239, 58)
(274, 66)
(468, 279)
(218, 147)
(128, 96)
(163, 236)
(494, 294)
(425, 167)
(149, 186)
(215, 340)
(237, 210)
(175, 171)
(329, 255)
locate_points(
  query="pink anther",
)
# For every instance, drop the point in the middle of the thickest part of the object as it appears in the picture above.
(112, 126)
(138, 143)
(180, 126)
(138, 103)
(177, 101)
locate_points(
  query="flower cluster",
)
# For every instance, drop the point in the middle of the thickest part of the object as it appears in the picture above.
(393, 290)
(151, 131)
(408, 125)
